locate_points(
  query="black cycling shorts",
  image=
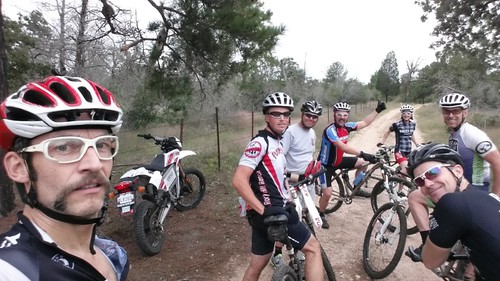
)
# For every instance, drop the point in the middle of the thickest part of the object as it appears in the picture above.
(298, 233)
(346, 163)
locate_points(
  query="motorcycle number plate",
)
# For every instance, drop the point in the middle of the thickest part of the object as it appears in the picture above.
(125, 199)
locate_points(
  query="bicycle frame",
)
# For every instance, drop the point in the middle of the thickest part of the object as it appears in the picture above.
(350, 190)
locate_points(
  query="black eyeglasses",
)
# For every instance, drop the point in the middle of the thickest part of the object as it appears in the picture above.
(431, 174)
(277, 115)
(311, 116)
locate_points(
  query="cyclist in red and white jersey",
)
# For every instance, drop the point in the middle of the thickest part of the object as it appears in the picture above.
(260, 180)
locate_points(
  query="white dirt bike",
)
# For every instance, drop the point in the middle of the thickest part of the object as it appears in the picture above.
(163, 184)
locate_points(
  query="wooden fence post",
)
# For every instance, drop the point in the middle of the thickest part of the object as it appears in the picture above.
(218, 135)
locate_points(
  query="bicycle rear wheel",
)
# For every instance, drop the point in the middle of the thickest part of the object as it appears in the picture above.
(380, 197)
(382, 250)
(337, 198)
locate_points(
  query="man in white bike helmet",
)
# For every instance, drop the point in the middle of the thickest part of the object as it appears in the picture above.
(260, 180)
(334, 145)
(299, 144)
(478, 152)
(403, 130)
(60, 143)
(461, 212)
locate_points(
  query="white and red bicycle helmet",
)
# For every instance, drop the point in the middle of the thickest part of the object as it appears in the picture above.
(56, 103)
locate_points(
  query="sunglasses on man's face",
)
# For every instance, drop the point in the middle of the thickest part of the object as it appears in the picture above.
(277, 115)
(431, 174)
(311, 116)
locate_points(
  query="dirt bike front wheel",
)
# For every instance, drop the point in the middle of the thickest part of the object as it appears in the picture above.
(149, 233)
(193, 187)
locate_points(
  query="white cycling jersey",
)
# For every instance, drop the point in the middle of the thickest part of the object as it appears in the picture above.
(473, 144)
(298, 144)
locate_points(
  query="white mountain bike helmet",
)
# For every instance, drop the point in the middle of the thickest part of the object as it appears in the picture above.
(277, 99)
(454, 100)
(406, 107)
(341, 106)
(56, 103)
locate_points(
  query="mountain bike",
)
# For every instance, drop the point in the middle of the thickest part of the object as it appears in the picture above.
(344, 192)
(163, 184)
(295, 270)
(454, 268)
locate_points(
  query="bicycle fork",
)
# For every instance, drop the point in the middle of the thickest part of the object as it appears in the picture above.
(380, 236)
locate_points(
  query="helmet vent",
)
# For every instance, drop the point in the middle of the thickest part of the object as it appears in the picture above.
(61, 91)
(37, 98)
(85, 93)
(104, 96)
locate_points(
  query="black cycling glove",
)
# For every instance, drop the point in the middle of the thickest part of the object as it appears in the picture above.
(380, 106)
(368, 157)
(291, 213)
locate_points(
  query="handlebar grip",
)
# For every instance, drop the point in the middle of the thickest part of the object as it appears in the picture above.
(148, 136)
(309, 178)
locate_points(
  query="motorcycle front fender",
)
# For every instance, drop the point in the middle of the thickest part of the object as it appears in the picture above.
(184, 153)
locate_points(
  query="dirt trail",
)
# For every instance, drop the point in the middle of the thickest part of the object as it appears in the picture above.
(343, 242)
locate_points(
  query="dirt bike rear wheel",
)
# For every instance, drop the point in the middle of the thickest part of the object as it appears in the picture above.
(149, 234)
(193, 187)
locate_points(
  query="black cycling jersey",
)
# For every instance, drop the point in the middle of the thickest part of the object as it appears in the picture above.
(473, 217)
(27, 253)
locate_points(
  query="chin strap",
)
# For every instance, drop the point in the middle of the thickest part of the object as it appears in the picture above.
(30, 199)
(459, 180)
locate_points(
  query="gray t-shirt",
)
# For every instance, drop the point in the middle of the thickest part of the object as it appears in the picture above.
(298, 145)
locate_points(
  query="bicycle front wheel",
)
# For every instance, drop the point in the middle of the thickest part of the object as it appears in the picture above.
(383, 248)
(338, 196)
(329, 273)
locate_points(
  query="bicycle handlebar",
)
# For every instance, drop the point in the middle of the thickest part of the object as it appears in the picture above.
(309, 178)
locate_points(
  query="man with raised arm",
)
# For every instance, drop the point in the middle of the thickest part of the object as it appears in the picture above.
(334, 145)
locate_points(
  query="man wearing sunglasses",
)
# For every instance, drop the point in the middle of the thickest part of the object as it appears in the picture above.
(260, 181)
(478, 152)
(334, 145)
(60, 143)
(461, 211)
(299, 144)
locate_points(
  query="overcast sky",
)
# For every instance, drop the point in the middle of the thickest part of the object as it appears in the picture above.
(359, 34)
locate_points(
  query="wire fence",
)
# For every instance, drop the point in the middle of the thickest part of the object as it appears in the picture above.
(214, 135)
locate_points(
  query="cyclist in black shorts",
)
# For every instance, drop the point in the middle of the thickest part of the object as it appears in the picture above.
(334, 145)
(461, 212)
(260, 181)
